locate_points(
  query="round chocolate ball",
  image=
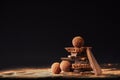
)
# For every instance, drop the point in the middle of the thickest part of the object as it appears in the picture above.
(55, 68)
(65, 66)
(78, 41)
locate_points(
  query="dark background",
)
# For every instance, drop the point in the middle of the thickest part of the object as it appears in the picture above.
(34, 34)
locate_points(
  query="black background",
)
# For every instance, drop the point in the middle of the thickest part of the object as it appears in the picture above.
(35, 33)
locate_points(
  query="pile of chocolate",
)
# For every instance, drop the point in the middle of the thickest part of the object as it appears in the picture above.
(80, 59)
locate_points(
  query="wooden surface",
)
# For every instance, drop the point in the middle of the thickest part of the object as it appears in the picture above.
(34, 73)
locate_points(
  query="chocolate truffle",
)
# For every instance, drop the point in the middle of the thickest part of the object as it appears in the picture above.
(55, 68)
(65, 66)
(78, 41)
